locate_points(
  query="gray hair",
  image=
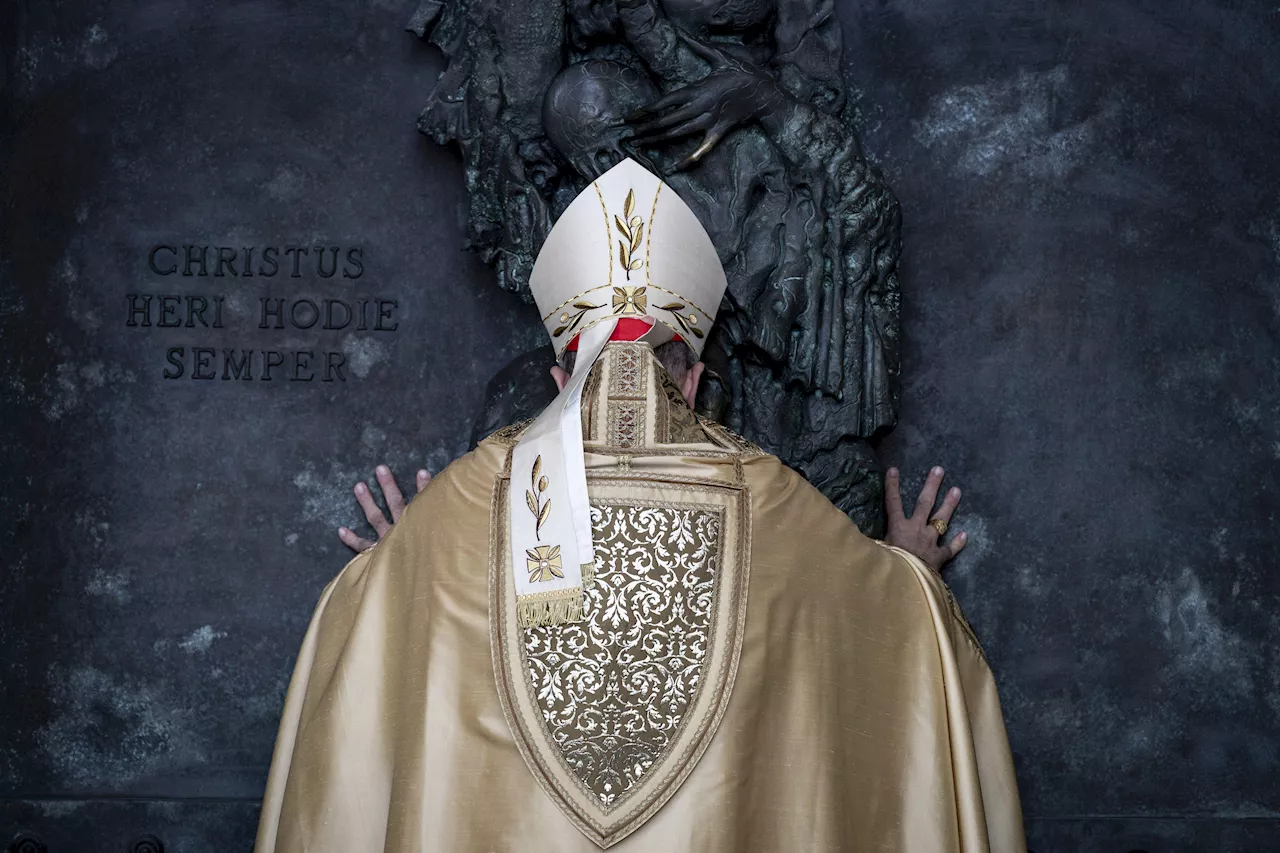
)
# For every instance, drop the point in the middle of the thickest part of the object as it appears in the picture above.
(675, 356)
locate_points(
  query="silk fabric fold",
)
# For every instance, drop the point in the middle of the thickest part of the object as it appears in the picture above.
(863, 715)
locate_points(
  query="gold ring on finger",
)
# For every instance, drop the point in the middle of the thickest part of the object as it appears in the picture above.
(939, 525)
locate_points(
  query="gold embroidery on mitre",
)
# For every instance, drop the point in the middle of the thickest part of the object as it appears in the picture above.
(615, 689)
(653, 221)
(629, 300)
(562, 308)
(631, 229)
(608, 234)
(687, 321)
(570, 321)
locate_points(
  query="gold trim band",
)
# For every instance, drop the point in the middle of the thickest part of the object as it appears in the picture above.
(710, 317)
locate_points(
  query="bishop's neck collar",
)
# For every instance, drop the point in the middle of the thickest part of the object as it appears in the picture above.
(631, 404)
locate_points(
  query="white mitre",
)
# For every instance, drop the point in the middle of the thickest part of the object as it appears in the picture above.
(627, 248)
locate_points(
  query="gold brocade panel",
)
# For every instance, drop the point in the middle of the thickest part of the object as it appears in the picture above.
(612, 713)
(615, 689)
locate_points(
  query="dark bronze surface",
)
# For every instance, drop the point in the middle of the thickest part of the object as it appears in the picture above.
(1090, 280)
(741, 107)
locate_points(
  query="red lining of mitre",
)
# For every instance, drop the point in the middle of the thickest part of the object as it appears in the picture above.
(628, 329)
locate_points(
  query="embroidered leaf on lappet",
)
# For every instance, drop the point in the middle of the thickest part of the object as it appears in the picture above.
(533, 498)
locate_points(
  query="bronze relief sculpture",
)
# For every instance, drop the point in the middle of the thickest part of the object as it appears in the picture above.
(740, 106)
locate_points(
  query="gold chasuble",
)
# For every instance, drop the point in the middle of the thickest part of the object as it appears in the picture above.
(729, 666)
(751, 673)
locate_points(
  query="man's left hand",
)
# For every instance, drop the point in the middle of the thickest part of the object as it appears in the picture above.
(917, 534)
(395, 503)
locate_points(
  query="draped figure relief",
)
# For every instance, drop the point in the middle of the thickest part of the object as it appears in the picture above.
(740, 106)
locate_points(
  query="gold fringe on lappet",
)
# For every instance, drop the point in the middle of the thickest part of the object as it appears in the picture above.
(553, 608)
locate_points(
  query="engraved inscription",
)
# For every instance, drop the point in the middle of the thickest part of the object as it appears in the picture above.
(327, 304)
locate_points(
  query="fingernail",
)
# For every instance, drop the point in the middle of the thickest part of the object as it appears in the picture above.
(892, 472)
(360, 488)
(383, 470)
(955, 492)
(342, 531)
(963, 536)
(422, 475)
(937, 471)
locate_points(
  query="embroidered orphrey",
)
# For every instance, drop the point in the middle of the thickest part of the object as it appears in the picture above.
(614, 689)
(626, 421)
(627, 371)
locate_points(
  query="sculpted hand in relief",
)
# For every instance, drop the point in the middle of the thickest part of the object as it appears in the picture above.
(922, 533)
(395, 503)
(733, 94)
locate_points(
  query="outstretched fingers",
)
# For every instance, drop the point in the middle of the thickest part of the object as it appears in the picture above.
(371, 512)
(679, 131)
(893, 497)
(928, 494)
(653, 124)
(352, 541)
(390, 491)
(671, 99)
(714, 135)
(949, 504)
(395, 503)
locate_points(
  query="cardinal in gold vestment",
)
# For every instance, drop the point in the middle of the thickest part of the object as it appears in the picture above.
(735, 669)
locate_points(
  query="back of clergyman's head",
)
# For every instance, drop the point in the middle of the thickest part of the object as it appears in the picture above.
(626, 261)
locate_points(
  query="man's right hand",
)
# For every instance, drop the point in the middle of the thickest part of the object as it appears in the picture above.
(395, 503)
(916, 534)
